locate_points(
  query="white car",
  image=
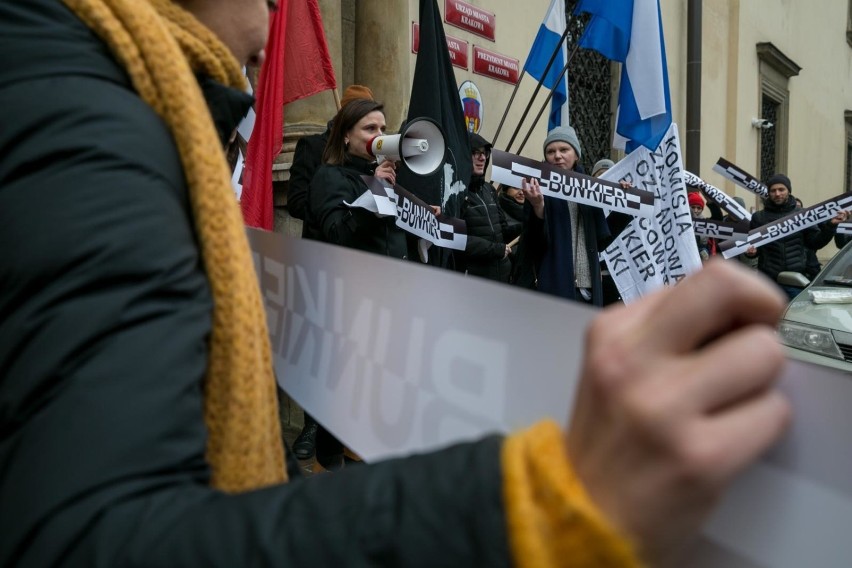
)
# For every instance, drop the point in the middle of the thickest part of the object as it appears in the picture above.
(817, 326)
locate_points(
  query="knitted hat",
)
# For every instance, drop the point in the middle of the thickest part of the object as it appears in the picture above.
(695, 199)
(782, 179)
(563, 134)
(354, 92)
(602, 166)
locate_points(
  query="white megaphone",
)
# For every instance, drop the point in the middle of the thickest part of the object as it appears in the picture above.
(420, 145)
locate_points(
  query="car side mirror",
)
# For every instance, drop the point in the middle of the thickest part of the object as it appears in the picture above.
(794, 279)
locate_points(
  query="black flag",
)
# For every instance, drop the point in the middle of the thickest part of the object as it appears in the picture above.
(434, 94)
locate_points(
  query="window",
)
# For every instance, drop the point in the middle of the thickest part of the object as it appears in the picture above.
(775, 72)
(849, 25)
(769, 110)
(591, 93)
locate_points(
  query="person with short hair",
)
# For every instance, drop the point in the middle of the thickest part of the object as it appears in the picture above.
(788, 253)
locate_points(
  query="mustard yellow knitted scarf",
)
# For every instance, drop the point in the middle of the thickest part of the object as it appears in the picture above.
(161, 46)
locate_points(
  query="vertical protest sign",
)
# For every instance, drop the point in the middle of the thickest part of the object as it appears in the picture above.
(657, 251)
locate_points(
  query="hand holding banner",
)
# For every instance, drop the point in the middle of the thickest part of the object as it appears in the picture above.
(510, 169)
(412, 214)
(786, 226)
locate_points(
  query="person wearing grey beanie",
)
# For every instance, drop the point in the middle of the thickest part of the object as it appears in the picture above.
(559, 249)
(601, 166)
(565, 134)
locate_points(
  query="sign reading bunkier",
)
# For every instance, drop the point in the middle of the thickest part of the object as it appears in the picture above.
(492, 64)
(456, 47)
(467, 17)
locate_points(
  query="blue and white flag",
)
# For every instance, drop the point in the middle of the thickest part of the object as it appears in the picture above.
(548, 37)
(631, 31)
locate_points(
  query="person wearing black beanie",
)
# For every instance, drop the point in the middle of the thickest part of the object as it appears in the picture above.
(791, 252)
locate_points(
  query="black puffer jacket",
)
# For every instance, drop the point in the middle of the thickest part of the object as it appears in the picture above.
(488, 232)
(105, 317)
(351, 227)
(788, 253)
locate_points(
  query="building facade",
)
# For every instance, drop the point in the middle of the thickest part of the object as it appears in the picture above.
(762, 61)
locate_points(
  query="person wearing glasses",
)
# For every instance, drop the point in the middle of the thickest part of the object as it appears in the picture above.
(488, 232)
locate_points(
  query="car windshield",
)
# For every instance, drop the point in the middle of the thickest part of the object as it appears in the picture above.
(838, 272)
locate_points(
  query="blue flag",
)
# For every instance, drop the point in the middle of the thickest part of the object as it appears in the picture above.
(631, 31)
(549, 34)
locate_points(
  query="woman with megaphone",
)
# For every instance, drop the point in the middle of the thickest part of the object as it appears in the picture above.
(338, 182)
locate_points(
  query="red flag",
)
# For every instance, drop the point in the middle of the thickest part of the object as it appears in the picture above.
(297, 65)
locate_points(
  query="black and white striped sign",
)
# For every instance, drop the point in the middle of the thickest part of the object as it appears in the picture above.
(844, 229)
(412, 214)
(786, 226)
(741, 177)
(724, 200)
(510, 169)
(722, 230)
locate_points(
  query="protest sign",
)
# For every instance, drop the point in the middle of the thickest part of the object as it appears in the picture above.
(412, 214)
(661, 250)
(741, 177)
(510, 169)
(797, 221)
(734, 209)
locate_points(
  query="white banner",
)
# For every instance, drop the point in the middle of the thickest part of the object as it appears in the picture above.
(844, 229)
(659, 251)
(798, 221)
(395, 358)
(727, 203)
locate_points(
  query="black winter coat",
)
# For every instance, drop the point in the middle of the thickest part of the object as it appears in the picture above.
(307, 159)
(546, 255)
(351, 227)
(488, 232)
(789, 253)
(104, 326)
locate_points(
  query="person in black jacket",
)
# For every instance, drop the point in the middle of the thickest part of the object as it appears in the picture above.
(338, 182)
(488, 233)
(107, 327)
(788, 253)
(307, 158)
(561, 239)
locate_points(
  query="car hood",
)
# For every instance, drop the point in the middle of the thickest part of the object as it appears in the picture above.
(833, 316)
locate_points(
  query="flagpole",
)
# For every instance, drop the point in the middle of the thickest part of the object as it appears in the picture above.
(518, 84)
(546, 102)
(336, 98)
(538, 87)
